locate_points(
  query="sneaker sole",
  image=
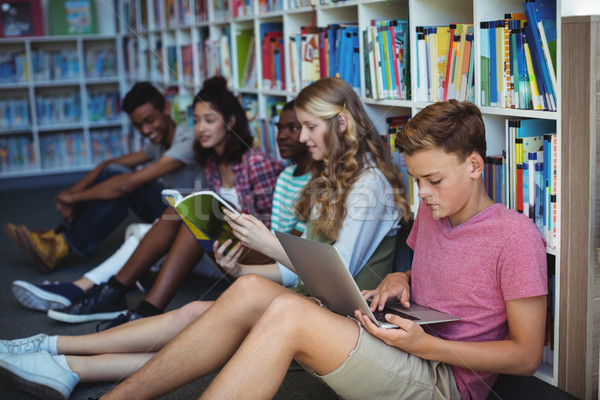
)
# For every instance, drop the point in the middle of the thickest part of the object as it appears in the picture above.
(76, 319)
(29, 249)
(41, 390)
(35, 298)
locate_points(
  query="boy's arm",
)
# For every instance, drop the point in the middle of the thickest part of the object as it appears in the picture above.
(128, 160)
(520, 354)
(123, 184)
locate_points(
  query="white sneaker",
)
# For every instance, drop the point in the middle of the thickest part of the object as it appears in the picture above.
(38, 374)
(32, 344)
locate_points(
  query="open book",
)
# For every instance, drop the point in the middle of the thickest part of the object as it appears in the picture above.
(203, 214)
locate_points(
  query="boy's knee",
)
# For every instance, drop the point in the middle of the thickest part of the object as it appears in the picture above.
(249, 284)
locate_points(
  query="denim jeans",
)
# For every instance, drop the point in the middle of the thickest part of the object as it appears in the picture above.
(96, 220)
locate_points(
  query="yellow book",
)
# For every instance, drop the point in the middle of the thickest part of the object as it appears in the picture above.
(441, 46)
(202, 212)
(535, 94)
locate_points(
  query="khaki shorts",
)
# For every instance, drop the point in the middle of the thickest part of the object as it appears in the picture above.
(374, 370)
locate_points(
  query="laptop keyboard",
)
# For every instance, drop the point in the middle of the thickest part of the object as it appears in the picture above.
(380, 315)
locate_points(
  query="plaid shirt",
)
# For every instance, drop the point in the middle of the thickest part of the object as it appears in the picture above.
(255, 178)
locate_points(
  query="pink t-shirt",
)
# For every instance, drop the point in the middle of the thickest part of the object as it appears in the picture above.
(471, 270)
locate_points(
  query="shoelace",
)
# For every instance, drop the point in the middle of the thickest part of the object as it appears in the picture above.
(24, 345)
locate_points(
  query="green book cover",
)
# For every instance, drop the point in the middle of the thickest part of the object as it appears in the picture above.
(72, 17)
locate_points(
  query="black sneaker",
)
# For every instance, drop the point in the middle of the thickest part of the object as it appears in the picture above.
(101, 302)
(120, 320)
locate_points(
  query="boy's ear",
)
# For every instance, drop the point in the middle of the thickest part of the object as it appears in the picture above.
(476, 164)
(342, 121)
(167, 110)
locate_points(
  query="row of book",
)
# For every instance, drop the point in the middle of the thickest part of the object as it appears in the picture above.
(60, 108)
(14, 113)
(518, 58)
(445, 63)
(54, 65)
(63, 150)
(525, 176)
(104, 106)
(386, 63)
(13, 67)
(107, 144)
(264, 129)
(272, 55)
(317, 52)
(16, 153)
(101, 62)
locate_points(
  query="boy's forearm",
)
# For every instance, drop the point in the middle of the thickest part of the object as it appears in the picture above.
(89, 178)
(501, 357)
(111, 188)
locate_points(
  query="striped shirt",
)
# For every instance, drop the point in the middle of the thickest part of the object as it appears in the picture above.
(287, 190)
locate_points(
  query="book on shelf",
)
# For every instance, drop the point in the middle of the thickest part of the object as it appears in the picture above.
(202, 212)
(63, 150)
(21, 18)
(524, 176)
(72, 17)
(58, 108)
(107, 144)
(245, 56)
(271, 39)
(104, 106)
(16, 153)
(101, 62)
(13, 67)
(520, 56)
(14, 113)
(444, 62)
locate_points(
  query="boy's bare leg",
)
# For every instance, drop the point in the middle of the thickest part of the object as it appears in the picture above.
(155, 244)
(184, 255)
(291, 327)
(139, 336)
(204, 345)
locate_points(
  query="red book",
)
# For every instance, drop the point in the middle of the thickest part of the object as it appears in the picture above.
(520, 188)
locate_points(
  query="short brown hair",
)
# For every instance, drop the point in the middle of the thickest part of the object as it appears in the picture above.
(452, 126)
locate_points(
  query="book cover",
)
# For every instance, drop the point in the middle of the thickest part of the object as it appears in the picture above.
(21, 18)
(72, 17)
(202, 212)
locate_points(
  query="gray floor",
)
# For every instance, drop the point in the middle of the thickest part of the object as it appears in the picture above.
(35, 209)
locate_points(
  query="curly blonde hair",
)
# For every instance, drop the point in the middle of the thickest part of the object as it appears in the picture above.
(344, 156)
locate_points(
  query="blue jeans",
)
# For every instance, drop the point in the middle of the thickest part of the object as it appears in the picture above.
(96, 220)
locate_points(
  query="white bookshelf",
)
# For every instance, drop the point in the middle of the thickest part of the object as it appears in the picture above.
(81, 85)
(418, 12)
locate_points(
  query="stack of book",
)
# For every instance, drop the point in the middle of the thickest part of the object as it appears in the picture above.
(272, 54)
(16, 153)
(525, 177)
(63, 150)
(445, 63)
(386, 59)
(104, 106)
(14, 113)
(518, 58)
(13, 68)
(318, 52)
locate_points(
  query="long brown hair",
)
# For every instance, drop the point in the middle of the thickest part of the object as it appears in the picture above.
(344, 157)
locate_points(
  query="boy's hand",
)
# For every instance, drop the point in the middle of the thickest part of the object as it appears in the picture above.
(229, 261)
(395, 285)
(410, 338)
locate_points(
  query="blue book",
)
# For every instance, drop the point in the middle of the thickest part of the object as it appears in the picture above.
(540, 196)
(493, 64)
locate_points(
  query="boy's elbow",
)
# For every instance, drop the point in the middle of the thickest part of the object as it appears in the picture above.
(530, 364)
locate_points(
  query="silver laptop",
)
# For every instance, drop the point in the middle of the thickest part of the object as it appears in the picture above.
(326, 277)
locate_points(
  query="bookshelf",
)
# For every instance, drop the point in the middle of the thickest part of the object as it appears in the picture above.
(61, 95)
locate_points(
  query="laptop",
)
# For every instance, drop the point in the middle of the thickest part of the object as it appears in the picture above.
(326, 277)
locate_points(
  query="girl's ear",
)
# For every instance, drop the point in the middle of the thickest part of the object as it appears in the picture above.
(342, 121)
(476, 164)
(231, 122)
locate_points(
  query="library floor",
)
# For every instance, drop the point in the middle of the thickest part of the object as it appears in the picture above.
(35, 209)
